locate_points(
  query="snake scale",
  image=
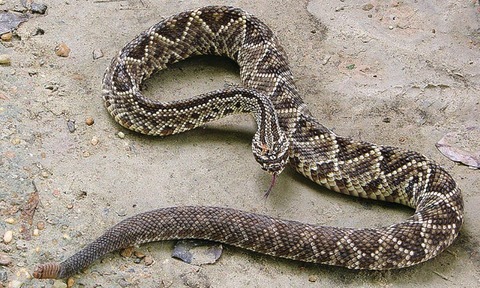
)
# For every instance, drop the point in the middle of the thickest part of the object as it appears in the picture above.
(287, 133)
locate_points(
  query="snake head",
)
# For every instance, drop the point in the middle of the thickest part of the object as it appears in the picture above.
(274, 157)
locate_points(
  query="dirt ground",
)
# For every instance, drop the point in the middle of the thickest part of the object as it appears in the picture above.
(401, 73)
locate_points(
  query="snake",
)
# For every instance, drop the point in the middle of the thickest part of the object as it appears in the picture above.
(287, 134)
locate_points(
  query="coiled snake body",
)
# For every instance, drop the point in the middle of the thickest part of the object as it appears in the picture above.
(287, 132)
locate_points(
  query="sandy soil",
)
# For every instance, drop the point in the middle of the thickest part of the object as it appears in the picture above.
(415, 78)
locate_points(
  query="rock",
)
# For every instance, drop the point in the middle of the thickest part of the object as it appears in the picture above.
(38, 8)
(312, 278)
(8, 236)
(59, 284)
(7, 37)
(3, 276)
(62, 50)
(71, 125)
(367, 7)
(39, 31)
(5, 260)
(139, 254)
(89, 121)
(15, 284)
(195, 279)
(21, 245)
(5, 60)
(10, 221)
(94, 141)
(121, 135)
(97, 53)
(197, 252)
(127, 252)
(122, 213)
(51, 86)
(41, 225)
(148, 260)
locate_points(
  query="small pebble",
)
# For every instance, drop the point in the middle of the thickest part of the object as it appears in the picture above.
(122, 213)
(23, 273)
(51, 86)
(69, 206)
(8, 236)
(148, 260)
(70, 282)
(121, 135)
(14, 284)
(45, 174)
(41, 225)
(86, 154)
(326, 58)
(59, 284)
(36, 232)
(56, 193)
(97, 53)
(7, 37)
(3, 277)
(94, 141)
(10, 221)
(38, 8)
(22, 229)
(71, 125)
(139, 254)
(62, 50)
(390, 27)
(21, 245)
(89, 121)
(367, 7)
(5, 260)
(312, 278)
(39, 31)
(127, 252)
(5, 59)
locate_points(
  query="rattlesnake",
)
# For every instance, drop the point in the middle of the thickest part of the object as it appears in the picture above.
(287, 132)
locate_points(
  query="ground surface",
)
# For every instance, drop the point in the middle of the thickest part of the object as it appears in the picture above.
(402, 73)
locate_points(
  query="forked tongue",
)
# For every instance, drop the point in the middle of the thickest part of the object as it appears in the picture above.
(274, 179)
